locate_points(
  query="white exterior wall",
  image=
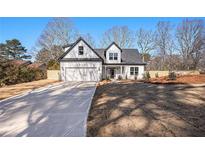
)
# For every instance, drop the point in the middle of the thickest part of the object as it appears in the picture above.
(87, 66)
(88, 53)
(92, 70)
(132, 77)
(125, 71)
(81, 70)
(113, 49)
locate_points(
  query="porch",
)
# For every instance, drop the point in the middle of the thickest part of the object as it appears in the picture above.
(113, 72)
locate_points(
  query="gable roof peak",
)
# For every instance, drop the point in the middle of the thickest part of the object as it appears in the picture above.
(74, 44)
(71, 44)
(113, 43)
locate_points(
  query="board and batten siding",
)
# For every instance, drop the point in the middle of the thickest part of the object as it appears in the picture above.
(125, 71)
(81, 70)
(113, 49)
(140, 71)
(88, 53)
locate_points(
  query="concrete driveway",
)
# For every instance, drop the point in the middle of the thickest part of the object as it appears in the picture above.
(57, 110)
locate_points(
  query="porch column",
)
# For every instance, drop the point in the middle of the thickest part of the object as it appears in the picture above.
(121, 70)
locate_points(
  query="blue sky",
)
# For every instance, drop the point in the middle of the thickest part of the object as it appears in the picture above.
(27, 30)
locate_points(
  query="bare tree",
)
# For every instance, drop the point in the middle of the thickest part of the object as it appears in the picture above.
(123, 36)
(201, 65)
(45, 55)
(191, 42)
(58, 32)
(88, 38)
(164, 43)
(145, 42)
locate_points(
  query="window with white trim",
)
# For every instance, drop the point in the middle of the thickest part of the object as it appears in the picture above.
(110, 56)
(134, 70)
(113, 56)
(80, 50)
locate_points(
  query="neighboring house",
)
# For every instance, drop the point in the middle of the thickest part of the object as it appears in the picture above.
(81, 62)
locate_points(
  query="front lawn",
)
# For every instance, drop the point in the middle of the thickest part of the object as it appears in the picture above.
(142, 109)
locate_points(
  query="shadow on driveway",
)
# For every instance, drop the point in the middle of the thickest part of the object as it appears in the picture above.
(60, 110)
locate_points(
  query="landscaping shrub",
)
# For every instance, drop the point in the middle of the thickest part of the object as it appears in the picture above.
(40, 74)
(119, 77)
(156, 75)
(12, 74)
(146, 75)
(135, 77)
(25, 75)
(9, 73)
(172, 76)
(108, 77)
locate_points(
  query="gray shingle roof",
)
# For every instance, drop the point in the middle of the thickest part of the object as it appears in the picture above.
(129, 56)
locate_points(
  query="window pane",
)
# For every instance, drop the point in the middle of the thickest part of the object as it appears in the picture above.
(136, 73)
(136, 70)
(131, 70)
(80, 50)
(80, 47)
(110, 56)
(115, 56)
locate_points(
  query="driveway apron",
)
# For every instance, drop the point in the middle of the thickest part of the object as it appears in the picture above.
(58, 110)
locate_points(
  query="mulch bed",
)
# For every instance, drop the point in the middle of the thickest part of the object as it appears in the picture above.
(186, 79)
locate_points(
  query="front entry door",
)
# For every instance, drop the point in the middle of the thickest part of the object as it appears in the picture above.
(112, 73)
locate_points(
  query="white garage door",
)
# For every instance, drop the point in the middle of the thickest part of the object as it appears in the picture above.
(81, 74)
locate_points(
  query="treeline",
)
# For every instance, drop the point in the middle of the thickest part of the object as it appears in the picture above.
(13, 74)
(14, 65)
(167, 47)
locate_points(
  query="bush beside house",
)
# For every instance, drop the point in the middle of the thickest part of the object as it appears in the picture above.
(19, 71)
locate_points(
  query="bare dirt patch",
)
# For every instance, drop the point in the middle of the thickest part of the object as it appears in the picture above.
(143, 109)
(11, 90)
(186, 79)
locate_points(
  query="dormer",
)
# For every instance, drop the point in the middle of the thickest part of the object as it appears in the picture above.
(113, 53)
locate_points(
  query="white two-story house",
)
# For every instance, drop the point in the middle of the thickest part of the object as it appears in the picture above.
(80, 62)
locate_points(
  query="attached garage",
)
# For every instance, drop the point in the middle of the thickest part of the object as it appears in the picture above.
(81, 74)
(80, 62)
(81, 71)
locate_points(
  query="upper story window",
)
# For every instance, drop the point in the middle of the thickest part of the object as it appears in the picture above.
(80, 50)
(113, 56)
(134, 70)
(110, 56)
